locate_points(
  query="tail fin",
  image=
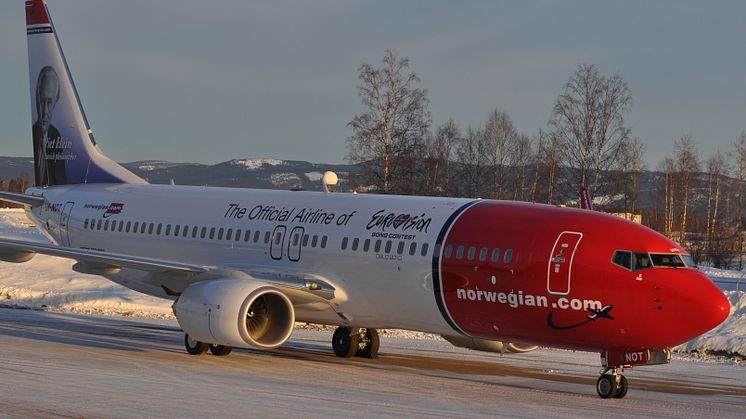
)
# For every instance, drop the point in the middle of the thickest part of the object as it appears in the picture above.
(64, 149)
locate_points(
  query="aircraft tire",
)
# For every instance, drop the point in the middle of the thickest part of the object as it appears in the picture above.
(195, 347)
(369, 349)
(606, 386)
(343, 344)
(220, 350)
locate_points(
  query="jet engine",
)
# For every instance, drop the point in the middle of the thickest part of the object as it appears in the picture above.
(235, 312)
(488, 345)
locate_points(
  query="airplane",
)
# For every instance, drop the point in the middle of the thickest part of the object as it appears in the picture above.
(242, 265)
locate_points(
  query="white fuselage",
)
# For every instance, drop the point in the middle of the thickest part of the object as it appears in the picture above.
(377, 251)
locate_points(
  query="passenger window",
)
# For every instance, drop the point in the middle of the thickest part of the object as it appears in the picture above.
(377, 247)
(158, 230)
(246, 236)
(355, 243)
(495, 255)
(266, 237)
(623, 259)
(508, 256)
(220, 233)
(177, 230)
(388, 246)
(121, 226)
(113, 225)
(194, 232)
(412, 248)
(459, 252)
(185, 232)
(106, 225)
(423, 253)
(449, 251)
(98, 224)
(483, 254)
(212, 233)
(150, 228)
(203, 233)
(256, 236)
(315, 240)
(323, 242)
(229, 234)
(277, 237)
(305, 240)
(129, 224)
(85, 225)
(366, 245)
(400, 248)
(344, 243)
(471, 253)
(296, 239)
(143, 227)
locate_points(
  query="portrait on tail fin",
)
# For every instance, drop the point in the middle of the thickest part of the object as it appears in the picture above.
(49, 169)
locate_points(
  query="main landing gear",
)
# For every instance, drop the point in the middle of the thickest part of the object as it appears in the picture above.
(360, 342)
(195, 347)
(611, 385)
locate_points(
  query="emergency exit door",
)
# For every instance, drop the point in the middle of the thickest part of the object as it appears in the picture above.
(559, 271)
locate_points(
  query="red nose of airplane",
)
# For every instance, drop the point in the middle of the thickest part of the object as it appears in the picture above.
(712, 309)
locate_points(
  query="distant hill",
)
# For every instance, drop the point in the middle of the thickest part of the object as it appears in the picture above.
(243, 173)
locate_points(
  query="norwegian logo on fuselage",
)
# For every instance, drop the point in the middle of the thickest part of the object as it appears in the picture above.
(113, 209)
(383, 220)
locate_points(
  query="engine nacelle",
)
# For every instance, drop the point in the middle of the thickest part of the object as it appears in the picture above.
(488, 345)
(235, 312)
(16, 256)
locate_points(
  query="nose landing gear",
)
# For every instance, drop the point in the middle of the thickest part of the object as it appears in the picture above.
(611, 385)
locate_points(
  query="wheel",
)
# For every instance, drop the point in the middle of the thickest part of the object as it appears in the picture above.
(368, 344)
(194, 347)
(220, 350)
(605, 386)
(343, 344)
(622, 388)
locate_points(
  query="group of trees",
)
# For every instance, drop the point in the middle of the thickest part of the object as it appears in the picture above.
(17, 185)
(585, 143)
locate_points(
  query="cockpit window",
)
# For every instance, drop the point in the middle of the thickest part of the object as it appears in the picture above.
(634, 261)
(689, 261)
(667, 260)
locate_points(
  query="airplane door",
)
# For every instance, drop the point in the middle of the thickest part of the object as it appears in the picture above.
(294, 243)
(278, 242)
(64, 221)
(559, 271)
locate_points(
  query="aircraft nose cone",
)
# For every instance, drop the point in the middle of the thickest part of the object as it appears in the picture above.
(714, 308)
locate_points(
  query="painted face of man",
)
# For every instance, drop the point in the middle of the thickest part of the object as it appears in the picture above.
(48, 95)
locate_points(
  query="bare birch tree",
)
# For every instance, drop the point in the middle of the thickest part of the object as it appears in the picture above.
(588, 117)
(394, 124)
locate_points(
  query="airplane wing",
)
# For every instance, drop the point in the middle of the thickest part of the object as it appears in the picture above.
(105, 258)
(23, 199)
(300, 287)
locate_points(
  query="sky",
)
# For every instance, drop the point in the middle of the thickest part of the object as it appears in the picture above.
(208, 81)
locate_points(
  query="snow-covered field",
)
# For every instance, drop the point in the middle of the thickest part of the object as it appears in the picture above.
(49, 283)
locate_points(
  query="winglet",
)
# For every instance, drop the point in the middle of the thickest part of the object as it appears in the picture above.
(585, 199)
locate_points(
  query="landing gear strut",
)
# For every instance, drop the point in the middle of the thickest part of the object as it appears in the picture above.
(611, 385)
(364, 344)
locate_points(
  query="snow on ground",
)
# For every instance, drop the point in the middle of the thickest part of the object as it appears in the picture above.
(50, 283)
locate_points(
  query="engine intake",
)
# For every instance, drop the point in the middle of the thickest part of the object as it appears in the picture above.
(236, 312)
